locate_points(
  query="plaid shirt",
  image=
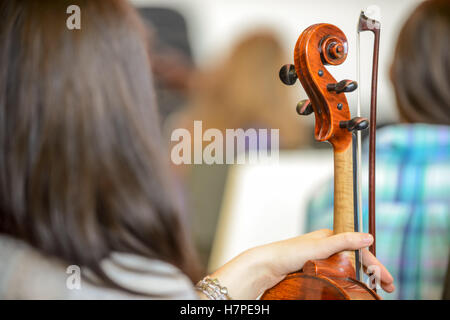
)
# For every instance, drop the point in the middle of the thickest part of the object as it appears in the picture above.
(412, 207)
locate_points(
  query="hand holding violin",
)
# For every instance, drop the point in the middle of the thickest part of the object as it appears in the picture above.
(254, 271)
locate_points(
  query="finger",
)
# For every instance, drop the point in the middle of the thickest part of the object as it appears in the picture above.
(288, 250)
(299, 241)
(308, 250)
(345, 241)
(370, 260)
(386, 279)
(388, 287)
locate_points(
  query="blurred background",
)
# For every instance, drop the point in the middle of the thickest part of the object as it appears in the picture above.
(218, 61)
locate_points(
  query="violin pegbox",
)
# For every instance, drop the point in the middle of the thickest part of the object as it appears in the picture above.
(320, 45)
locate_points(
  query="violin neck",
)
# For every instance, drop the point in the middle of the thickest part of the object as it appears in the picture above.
(344, 217)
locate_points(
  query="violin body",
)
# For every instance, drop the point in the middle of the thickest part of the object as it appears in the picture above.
(328, 279)
(333, 278)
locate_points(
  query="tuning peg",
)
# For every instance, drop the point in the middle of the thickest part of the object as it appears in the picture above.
(343, 86)
(357, 123)
(304, 108)
(288, 75)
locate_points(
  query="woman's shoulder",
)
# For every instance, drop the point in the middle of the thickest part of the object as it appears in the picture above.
(150, 276)
(27, 274)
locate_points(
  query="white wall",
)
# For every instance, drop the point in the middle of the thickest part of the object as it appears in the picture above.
(216, 25)
(264, 203)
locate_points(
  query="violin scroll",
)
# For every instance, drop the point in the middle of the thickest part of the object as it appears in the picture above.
(333, 50)
(318, 46)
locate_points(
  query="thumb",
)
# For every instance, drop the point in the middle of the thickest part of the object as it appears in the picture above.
(344, 241)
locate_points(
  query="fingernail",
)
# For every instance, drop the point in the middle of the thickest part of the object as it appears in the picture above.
(367, 239)
(390, 288)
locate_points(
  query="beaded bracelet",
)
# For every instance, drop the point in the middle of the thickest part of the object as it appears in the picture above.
(212, 289)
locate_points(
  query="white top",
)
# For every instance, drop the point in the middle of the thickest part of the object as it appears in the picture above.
(27, 274)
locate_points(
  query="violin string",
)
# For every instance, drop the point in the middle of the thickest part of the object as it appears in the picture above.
(358, 150)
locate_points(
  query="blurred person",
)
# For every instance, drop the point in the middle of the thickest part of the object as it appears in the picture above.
(413, 161)
(82, 180)
(171, 57)
(244, 92)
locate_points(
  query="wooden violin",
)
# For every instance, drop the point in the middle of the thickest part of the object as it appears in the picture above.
(335, 277)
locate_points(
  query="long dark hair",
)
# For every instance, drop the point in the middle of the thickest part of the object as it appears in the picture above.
(421, 68)
(81, 167)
